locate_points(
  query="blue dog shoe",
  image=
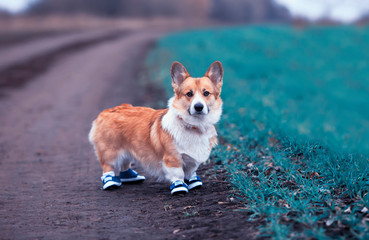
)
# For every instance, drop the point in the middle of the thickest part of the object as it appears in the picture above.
(110, 182)
(194, 183)
(178, 187)
(131, 176)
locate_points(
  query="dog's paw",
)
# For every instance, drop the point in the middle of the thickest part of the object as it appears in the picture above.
(194, 183)
(178, 187)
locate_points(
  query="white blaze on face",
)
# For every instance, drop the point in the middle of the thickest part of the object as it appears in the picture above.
(196, 102)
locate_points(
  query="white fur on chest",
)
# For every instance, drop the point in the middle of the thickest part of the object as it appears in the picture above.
(193, 142)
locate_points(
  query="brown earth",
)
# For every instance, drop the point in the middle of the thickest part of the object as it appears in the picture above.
(49, 176)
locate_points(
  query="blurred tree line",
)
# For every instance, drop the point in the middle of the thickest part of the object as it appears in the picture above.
(225, 10)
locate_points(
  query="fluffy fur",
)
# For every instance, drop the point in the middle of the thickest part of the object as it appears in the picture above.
(169, 143)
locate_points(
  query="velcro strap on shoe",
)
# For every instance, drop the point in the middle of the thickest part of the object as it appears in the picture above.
(108, 178)
(194, 179)
(130, 173)
(178, 183)
(111, 178)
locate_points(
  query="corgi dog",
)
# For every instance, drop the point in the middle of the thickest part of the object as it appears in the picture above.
(168, 143)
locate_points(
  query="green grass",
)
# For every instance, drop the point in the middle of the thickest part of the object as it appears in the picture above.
(295, 122)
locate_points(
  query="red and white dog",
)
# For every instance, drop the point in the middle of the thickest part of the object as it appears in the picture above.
(169, 143)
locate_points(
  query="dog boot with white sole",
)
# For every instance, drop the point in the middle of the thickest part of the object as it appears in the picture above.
(110, 181)
(194, 183)
(178, 187)
(131, 176)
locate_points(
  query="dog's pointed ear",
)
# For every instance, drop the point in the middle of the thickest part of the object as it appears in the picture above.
(215, 73)
(178, 73)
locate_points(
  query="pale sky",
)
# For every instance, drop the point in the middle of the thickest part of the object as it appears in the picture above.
(14, 6)
(346, 11)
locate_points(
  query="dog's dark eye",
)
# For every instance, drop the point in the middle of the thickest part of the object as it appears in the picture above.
(206, 93)
(189, 94)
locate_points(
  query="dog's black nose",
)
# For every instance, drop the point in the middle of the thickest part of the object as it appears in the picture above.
(199, 107)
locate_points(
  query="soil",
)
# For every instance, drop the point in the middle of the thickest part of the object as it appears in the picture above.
(50, 176)
(8, 39)
(18, 74)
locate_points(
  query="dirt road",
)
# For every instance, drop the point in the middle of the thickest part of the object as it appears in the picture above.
(49, 176)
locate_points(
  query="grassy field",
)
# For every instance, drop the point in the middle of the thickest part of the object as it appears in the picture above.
(295, 127)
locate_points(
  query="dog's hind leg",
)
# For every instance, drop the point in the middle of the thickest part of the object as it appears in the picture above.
(108, 160)
(128, 175)
(124, 161)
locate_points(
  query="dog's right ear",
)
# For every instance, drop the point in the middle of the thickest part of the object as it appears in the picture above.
(178, 73)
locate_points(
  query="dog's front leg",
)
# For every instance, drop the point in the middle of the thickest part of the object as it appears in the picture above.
(173, 169)
(192, 180)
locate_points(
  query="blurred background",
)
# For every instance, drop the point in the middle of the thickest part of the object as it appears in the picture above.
(294, 131)
(25, 19)
(345, 11)
(231, 11)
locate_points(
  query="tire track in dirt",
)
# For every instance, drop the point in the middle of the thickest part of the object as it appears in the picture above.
(49, 174)
(20, 52)
(20, 73)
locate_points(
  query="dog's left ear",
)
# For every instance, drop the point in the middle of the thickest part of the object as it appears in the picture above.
(215, 73)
